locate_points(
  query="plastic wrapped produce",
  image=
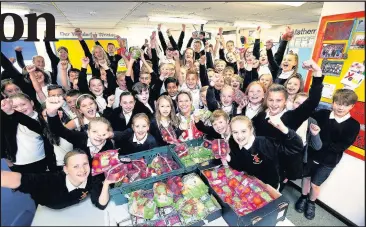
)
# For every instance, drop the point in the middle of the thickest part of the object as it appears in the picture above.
(103, 161)
(135, 52)
(239, 96)
(193, 187)
(220, 148)
(175, 184)
(141, 206)
(117, 173)
(181, 150)
(162, 195)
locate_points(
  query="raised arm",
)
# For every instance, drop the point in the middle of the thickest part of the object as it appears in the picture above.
(19, 56)
(85, 47)
(181, 37)
(37, 87)
(212, 103)
(286, 37)
(257, 42)
(161, 38)
(171, 39)
(203, 72)
(82, 80)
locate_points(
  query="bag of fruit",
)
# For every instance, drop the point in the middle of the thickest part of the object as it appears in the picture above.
(175, 184)
(162, 164)
(169, 135)
(103, 161)
(181, 149)
(239, 96)
(141, 206)
(162, 195)
(117, 173)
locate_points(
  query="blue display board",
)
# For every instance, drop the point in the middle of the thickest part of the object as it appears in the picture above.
(29, 49)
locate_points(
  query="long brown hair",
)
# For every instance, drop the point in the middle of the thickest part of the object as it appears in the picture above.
(81, 98)
(172, 116)
(105, 56)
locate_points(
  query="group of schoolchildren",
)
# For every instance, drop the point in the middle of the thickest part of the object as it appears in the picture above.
(54, 122)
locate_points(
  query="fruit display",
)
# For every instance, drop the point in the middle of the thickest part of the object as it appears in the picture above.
(162, 195)
(220, 148)
(142, 206)
(191, 156)
(171, 208)
(116, 173)
(103, 161)
(175, 185)
(193, 186)
(243, 193)
(139, 170)
(169, 135)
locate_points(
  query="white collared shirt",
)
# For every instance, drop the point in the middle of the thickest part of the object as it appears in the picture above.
(227, 109)
(278, 115)
(117, 95)
(286, 75)
(339, 120)
(302, 131)
(139, 141)
(102, 104)
(264, 69)
(71, 187)
(226, 138)
(251, 111)
(127, 116)
(249, 144)
(148, 106)
(94, 149)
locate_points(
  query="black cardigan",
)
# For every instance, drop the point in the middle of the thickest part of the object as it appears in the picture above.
(292, 118)
(49, 189)
(124, 141)
(10, 123)
(336, 138)
(262, 159)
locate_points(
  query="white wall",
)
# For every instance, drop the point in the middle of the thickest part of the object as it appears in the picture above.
(333, 8)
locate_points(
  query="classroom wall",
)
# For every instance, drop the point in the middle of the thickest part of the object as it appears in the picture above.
(344, 189)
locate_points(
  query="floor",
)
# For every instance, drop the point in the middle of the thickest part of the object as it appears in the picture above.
(322, 217)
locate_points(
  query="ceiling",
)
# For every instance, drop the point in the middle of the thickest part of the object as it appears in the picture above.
(114, 15)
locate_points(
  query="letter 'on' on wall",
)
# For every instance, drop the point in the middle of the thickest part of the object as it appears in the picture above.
(32, 27)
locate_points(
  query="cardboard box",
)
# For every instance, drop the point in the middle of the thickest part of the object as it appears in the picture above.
(268, 215)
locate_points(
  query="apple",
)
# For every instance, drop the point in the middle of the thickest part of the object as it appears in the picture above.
(207, 173)
(129, 166)
(257, 200)
(95, 163)
(125, 180)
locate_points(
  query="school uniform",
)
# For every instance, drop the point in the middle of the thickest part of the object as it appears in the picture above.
(260, 157)
(119, 120)
(27, 147)
(293, 120)
(196, 55)
(275, 61)
(128, 143)
(54, 190)
(155, 131)
(251, 111)
(248, 77)
(213, 104)
(231, 64)
(79, 140)
(56, 66)
(210, 132)
(101, 100)
(336, 134)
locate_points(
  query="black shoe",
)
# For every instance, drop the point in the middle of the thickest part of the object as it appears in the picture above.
(300, 204)
(310, 210)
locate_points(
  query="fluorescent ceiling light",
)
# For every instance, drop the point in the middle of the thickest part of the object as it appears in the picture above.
(20, 12)
(290, 3)
(250, 25)
(177, 20)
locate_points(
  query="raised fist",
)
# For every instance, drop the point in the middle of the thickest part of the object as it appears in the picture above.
(85, 60)
(314, 129)
(53, 104)
(269, 44)
(7, 106)
(111, 99)
(31, 68)
(64, 64)
(18, 48)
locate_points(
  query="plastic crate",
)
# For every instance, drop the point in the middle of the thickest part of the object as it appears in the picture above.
(193, 143)
(148, 156)
(121, 199)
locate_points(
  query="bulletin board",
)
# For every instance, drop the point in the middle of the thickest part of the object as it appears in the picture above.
(340, 44)
(76, 52)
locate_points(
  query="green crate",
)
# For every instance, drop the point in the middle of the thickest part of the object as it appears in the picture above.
(192, 143)
(148, 156)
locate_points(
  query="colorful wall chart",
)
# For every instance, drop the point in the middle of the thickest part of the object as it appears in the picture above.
(340, 50)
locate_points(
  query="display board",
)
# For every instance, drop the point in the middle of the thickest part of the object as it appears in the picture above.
(76, 52)
(340, 45)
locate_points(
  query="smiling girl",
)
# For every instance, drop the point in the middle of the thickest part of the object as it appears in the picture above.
(293, 85)
(257, 155)
(64, 188)
(165, 126)
(254, 102)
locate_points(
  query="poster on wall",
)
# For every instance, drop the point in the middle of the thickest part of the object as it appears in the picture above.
(352, 80)
(332, 68)
(360, 25)
(339, 30)
(358, 42)
(332, 50)
(328, 90)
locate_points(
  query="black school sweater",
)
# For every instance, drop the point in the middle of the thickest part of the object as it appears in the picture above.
(336, 138)
(117, 119)
(49, 189)
(124, 141)
(262, 159)
(209, 131)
